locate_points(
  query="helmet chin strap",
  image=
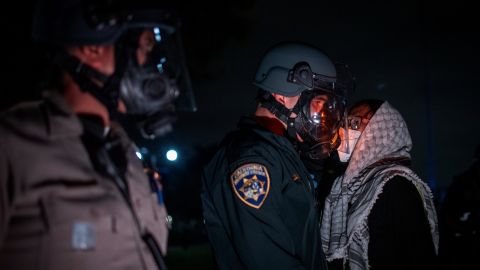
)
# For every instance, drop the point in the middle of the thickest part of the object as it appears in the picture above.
(281, 112)
(307, 147)
(107, 92)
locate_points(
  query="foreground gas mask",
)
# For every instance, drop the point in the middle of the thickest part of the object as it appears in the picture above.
(150, 78)
(156, 86)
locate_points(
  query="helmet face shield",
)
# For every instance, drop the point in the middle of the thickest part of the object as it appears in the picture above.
(342, 84)
(150, 76)
(321, 115)
(322, 106)
(156, 77)
(156, 82)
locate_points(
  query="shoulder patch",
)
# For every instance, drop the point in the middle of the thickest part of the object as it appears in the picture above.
(251, 184)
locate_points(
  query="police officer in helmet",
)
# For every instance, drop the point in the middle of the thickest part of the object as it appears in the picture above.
(73, 194)
(258, 197)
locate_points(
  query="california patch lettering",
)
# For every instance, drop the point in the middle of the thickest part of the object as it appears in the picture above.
(251, 184)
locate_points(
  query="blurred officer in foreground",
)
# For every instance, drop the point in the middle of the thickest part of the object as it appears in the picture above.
(73, 194)
(258, 198)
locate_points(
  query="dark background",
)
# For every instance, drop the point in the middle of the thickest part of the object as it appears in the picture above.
(420, 55)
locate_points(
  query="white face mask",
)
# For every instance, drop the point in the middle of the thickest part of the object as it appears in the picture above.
(348, 143)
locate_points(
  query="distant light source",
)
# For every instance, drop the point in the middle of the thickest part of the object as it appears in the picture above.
(158, 36)
(139, 155)
(172, 155)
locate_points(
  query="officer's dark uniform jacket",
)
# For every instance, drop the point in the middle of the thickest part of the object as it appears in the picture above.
(56, 210)
(280, 229)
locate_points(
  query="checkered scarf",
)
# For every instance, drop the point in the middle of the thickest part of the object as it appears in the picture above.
(344, 230)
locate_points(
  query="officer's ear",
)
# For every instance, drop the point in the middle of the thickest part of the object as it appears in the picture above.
(288, 102)
(279, 98)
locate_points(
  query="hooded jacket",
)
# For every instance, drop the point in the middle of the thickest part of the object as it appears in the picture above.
(375, 161)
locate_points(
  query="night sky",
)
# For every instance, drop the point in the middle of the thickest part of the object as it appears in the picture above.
(419, 55)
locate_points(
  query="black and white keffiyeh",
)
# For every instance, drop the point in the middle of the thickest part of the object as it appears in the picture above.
(344, 226)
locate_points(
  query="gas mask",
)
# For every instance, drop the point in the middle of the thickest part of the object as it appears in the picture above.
(320, 108)
(318, 120)
(152, 90)
(150, 78)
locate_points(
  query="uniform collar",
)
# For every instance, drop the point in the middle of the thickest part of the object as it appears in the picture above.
(271, 124)
(266, 132)
(61, 120)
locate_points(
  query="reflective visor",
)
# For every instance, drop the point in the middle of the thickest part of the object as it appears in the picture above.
(323, 112)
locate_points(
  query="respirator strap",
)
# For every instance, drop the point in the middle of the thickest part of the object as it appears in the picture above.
(281, 112)
(275, 107)
(84, 75)
(291, 128)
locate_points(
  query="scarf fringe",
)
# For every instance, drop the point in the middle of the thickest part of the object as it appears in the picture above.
(358, 238)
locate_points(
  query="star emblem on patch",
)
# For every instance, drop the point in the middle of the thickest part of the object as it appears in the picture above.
(251, 184)
(252, 188)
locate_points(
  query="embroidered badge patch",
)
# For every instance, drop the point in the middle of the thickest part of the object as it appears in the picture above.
(251, 184)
